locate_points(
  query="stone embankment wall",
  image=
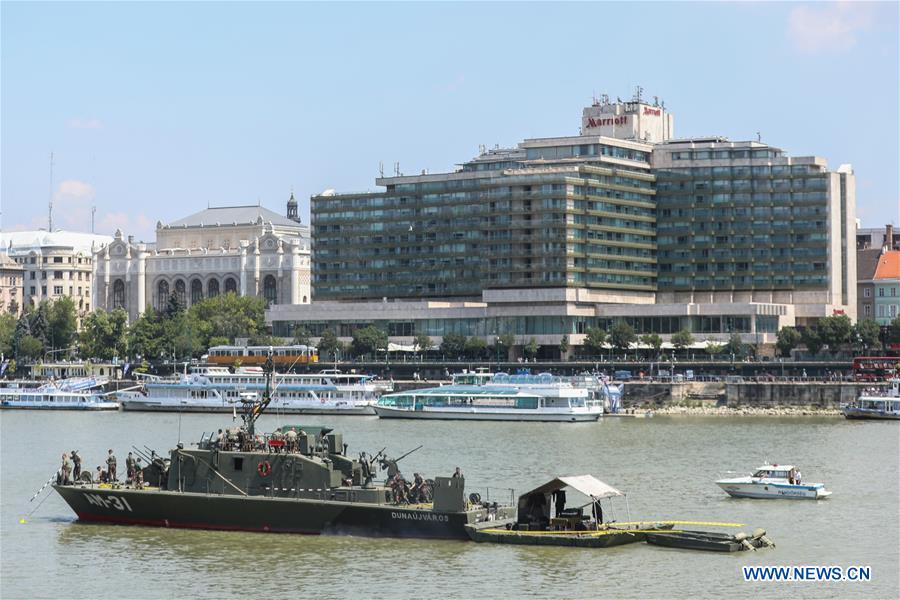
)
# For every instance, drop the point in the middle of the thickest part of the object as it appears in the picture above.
(807, 394)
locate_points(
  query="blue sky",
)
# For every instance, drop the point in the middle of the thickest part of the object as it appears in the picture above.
(154, 110)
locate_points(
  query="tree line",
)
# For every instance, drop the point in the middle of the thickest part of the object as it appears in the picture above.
(50, 330)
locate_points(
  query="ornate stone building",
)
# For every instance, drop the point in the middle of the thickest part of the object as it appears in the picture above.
(248, 250)
(54, 264)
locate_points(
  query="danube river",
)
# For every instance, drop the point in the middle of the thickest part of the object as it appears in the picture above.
(666, 464)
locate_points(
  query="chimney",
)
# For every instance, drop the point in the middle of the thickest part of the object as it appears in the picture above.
(889, 236)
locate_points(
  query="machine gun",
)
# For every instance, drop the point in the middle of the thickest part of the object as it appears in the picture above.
(390, 464)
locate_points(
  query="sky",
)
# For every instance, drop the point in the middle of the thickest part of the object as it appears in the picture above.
(154, 111)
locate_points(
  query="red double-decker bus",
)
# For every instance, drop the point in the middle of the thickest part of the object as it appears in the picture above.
(875, 368)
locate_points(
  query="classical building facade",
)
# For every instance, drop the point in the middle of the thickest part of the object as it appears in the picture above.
(10, 286)
(247, 250)
(55, 264)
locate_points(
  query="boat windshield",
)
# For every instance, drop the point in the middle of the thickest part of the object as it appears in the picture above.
(764, 473)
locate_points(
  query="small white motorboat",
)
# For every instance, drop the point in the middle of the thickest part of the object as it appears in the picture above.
(773, 481)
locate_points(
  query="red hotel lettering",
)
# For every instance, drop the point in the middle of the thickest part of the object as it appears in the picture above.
(592, 122)
(652, 111)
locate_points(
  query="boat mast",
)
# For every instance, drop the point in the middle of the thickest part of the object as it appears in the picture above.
(255, 409)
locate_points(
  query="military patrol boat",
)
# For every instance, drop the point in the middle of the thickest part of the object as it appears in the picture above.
(295, 480)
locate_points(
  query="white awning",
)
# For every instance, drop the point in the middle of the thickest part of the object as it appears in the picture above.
(586, 484)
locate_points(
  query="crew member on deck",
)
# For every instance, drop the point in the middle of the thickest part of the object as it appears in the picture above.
(76, 466)
(111, 466)
(457, 473)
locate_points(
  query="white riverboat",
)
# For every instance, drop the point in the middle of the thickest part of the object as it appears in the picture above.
(876, 405)
(481, 397)
(77, 393)
(773, 481)
(216, 389)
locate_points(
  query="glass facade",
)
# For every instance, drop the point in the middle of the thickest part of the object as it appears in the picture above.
(741, 219)
(546, 217)
(533, 325)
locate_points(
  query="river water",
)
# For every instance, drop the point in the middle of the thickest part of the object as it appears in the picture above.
(666, 464)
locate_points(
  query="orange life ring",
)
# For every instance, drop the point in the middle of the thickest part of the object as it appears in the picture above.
(264, 469)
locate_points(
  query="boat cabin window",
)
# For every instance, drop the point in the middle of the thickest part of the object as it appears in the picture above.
(238, 463)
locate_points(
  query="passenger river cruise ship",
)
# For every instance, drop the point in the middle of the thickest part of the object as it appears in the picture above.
(77, 393)
(216, 389)
(495, 397)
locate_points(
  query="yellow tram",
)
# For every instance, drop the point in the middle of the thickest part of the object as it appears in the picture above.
(285, 356)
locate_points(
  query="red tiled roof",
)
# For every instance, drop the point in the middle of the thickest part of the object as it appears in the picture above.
(888, 265)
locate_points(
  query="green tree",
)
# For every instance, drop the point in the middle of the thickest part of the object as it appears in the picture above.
(23, 330)
(31, 347)
(104, 334)
(13, 307)
(220, 341)
(145, 336)
(263, 339)
(63, 323)
(174, 306)
(475, 347)
(301, 337)
(811, 339)
(228, 315)
(453, 345)
(507, 342)
(422, 343)
(329, 345)
(7, 334)
(713, 348)
(594, 340)
(866, 333)
(564, 346)
(787, 339)
(40, 323)
(531, 348)
(682, 339)
(652, 341)
(736, 346)
(835, 332)
(622, 336)
(368, 341)
(893, 335)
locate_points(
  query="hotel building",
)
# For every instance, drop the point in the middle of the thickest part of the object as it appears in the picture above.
(619, 223)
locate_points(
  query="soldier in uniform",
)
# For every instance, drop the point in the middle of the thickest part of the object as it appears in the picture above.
(65, 470)
(111, 466)
(457, 473)
(76, 463)
(129, 468)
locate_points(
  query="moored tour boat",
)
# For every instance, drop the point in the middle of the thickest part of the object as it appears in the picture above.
(773, 481)
(216, 389)
(876, 406)
(488, 397)
(80, 393)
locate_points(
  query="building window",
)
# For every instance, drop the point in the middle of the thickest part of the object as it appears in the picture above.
(118, 294)
(867, 310)
(213, 288)
(881, 310)
(867, 292)
(893, 310)
(893, 291)
(231, 285)
(58, 289)
(180, 292)
(880, 292)
(162, 294)
(270, 291)
(196, 291)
